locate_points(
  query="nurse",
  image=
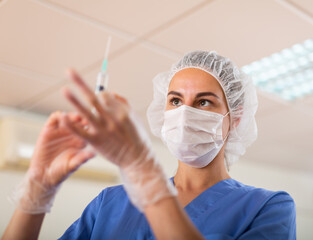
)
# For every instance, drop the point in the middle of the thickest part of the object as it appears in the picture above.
(203, 110)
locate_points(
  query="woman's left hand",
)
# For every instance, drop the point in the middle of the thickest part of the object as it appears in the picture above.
(117, 134)
(113, 130)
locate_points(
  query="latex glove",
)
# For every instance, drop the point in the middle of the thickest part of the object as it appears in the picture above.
(58, 153)
(117, 134)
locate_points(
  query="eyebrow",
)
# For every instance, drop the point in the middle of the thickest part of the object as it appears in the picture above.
(175, 93)
(201, 94)
(207, 94)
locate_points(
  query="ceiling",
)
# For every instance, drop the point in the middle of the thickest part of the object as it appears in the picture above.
(40, 39)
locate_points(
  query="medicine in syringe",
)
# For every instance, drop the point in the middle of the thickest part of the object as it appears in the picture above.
(102, 82)
(103, 78)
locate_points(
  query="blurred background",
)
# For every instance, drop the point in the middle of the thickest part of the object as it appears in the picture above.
(40, 39)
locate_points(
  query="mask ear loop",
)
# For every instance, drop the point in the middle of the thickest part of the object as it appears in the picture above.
(229, 128)
(226, 162)
(227, 165)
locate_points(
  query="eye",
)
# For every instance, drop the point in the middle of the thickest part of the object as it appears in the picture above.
(175, 102)
(204, 103)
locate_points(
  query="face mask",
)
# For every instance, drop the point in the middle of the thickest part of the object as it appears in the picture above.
(194, 136)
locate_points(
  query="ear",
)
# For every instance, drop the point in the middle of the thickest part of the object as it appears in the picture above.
(236, 120)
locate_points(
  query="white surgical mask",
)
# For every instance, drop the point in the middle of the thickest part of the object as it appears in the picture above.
(193, 136)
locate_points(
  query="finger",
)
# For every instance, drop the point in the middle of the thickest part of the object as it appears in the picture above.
(58, 141)
(53, 120)
(120, 98)
(80, 158)
(84, 122)
(88, 93)
(118, 109)
(80, 108)
(77, 118)
(79, 121)
(110, 108)
(109, 102)
(76, 129)
(74, 116)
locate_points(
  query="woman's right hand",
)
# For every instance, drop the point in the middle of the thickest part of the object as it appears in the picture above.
(58, 153)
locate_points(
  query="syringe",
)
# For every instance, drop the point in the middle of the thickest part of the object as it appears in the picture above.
(103, 77)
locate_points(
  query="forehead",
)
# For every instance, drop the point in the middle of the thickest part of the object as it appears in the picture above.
(195, 80)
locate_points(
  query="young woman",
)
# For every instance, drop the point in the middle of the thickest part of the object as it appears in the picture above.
(203, 109)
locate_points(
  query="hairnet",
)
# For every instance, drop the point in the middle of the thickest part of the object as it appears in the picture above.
(239, 91)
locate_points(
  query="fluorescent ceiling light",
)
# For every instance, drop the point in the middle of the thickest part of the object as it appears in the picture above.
(288, 73)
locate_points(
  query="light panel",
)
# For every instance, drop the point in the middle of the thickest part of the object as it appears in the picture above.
(288, 73)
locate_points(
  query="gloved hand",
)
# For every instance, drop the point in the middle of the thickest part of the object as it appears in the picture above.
(117, 134)
(57, 154)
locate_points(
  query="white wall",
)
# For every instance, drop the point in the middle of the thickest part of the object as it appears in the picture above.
(75, 194)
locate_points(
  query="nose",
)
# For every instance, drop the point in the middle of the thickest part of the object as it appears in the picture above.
(188, 102)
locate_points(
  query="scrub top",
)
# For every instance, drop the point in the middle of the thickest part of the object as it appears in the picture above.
(227, 210)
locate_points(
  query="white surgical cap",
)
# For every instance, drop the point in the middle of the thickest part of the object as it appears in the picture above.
(239, 91)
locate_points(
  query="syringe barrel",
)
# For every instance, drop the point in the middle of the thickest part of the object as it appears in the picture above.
(102, 82)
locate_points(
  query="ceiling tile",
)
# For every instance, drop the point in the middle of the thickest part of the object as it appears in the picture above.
(136, 17)
(51, 103)
(52, 99)
(243, 30)
(130, 75)
(308, 101)
(15, 89)
(285, 139)
(305, 5)
(271, 104)
(42, 40)
(268, 104)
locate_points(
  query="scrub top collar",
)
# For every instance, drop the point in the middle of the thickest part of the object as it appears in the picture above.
(206, 200)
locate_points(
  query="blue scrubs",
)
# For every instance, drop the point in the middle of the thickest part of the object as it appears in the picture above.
(227, 210)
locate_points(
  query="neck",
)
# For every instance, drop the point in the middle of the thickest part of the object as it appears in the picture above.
(189, 178)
